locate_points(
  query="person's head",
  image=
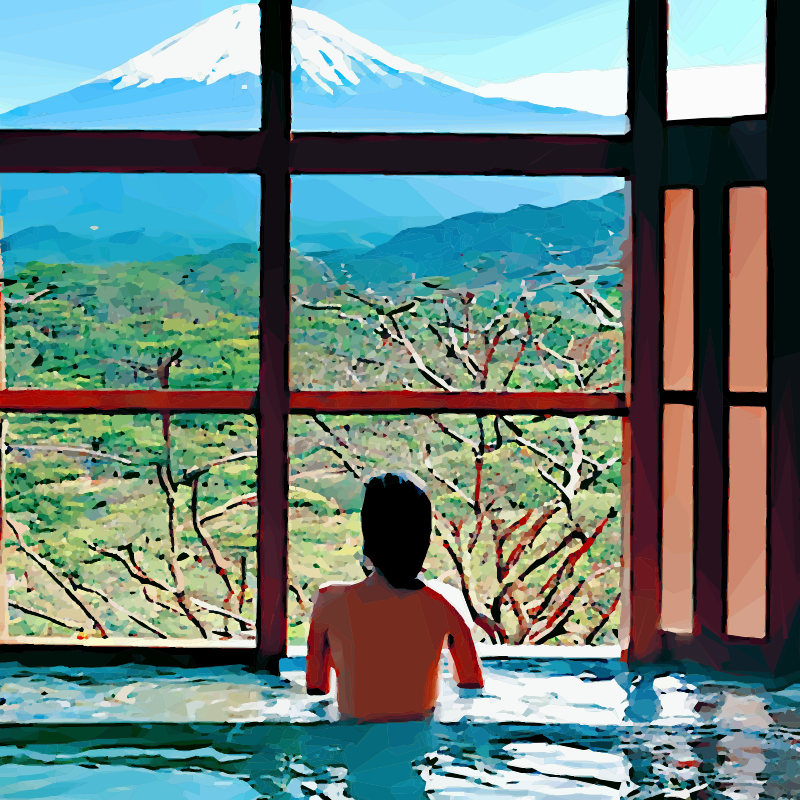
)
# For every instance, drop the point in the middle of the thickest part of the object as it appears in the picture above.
(396, 524)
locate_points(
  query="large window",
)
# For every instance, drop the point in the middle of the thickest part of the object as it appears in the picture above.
(506, 346)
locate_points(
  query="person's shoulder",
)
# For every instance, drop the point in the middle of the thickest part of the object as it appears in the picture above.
(332, 590)
(449, 598)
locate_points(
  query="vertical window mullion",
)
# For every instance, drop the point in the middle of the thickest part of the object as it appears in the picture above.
(271, 619)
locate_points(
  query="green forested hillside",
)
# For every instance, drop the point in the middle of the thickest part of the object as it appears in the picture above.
(115, 529)
(79, 326)
(137, 525)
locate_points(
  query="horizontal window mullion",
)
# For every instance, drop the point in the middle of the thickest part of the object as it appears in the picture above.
(474, 402)
(465, 154)
(187, 152)
(131, 151)
(126, 401)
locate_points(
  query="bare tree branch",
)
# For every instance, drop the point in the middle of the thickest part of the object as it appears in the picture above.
(221, 564)
(426, 460)
(138, 620)
(21, 301)
(138, 574)
(600, 308)
(34, 613)
(193, 474)
(222, 612)
(398, 336)
(175, 571)
(522, 345)
(452, 433)
(604, 617)
(250, 499)
(62, 583)
(71, 450)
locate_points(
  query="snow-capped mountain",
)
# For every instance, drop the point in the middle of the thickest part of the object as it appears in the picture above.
(341, 81)
(208, 78)
(336, 60)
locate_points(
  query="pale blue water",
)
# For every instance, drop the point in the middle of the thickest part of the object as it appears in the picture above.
(558, 729)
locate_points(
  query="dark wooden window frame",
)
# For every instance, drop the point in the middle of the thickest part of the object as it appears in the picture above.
(708, 155)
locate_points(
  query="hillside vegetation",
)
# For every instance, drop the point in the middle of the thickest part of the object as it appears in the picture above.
(143, 525)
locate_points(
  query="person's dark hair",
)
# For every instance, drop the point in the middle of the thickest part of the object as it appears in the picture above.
(396, 524)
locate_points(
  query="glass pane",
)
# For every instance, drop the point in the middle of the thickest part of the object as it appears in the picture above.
(106, 65)
(678, 289)
(110, 275)
(458, 282)
(113, 532)
(716, 58)
(677, 541)
(456, 66)
(748, 282)
(538, 546)
(747, 523)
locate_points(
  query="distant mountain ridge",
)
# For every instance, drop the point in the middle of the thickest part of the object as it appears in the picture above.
(572, 236)
(48, 244)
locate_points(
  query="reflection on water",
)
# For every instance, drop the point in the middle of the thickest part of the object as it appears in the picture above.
(585, 730)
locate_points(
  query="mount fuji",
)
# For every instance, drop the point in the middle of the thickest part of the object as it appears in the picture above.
(209, 78)
(343, 82)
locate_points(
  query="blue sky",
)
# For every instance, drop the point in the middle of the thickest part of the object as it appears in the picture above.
(50, 46)
(347, 198)
(715, 32)
(183, 204)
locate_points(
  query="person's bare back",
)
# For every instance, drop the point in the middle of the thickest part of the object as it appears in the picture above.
(385, 644)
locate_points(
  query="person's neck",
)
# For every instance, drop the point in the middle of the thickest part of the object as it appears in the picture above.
(379, 578)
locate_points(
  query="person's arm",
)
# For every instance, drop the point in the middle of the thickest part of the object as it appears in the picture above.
(318, 657)
(466, 663)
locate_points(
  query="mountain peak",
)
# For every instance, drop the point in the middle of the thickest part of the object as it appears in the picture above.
(227, 43)
(333, 57)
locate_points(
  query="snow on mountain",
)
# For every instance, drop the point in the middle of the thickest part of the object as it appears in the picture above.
(332, 57)
(227, 43)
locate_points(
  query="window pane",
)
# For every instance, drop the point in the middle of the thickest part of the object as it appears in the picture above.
(106, 65)
(677, 541)
(110, 275)
(93, 545)
(747, 523)
(748, 287)
(539, 549)
(528, 66)
(716, 58)
(678, 289)
(458, 282)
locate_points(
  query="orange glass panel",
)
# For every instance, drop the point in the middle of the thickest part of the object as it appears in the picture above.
(748, 264)
(747, 522)
(678, 289)
(677, 540)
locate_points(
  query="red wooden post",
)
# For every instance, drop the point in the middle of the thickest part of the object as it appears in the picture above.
(647, 111)
(273, 480)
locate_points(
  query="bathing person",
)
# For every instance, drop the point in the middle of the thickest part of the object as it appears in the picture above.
(384, 635)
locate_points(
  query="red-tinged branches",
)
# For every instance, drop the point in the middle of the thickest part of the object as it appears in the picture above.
(514, 497)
